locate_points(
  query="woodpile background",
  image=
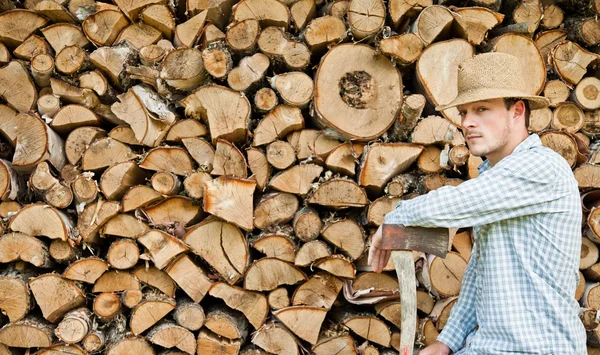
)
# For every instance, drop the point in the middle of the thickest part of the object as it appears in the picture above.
(203, 176)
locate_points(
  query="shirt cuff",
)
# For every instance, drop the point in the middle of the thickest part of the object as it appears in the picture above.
(399, 215)
(451, 340)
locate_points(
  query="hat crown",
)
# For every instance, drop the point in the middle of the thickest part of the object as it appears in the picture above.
(491, 71)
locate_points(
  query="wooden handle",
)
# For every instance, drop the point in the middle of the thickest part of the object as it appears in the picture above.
(405, 269)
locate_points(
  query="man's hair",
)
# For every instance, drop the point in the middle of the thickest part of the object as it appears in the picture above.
(508, 102)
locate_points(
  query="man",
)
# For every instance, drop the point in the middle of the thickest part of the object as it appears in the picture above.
(517, 294)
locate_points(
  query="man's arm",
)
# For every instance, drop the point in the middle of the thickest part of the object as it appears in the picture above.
(463, 317)
(516, 187)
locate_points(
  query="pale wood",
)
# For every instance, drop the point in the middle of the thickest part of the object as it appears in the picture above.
(30, 332)
(561, 143)
(93, 217)
(589, 254)
(277, 124)
(187, 128)
(139, 196)
(280, 246)
(202, 152)
(337, 265)
(60, 35)
(42, 68)
(402, 10)
(310, 252)
(48, 105)
(123, 254)
(103, 27)
(217, 11)
(156, 278)
(342, 345)
(275, 209)
(194, 184)
(104, 152)
(405, 48)
(18, 25)
(324, 31)
(304, 321)
(23, 95)
(571, 61)
(339, 193)
(265, 100)
(188, 32)
(229, 160)
(225, 323)
(276, 338)
(190, 277)
(253, 305)
(113, 281)
(189, 315)
(278, 298)
(169, 335)
(62, 252)
(365, 17)
(93, 341)
(74, 95)
(55, 295)
(242, 36)
(304, 142)
(249, 72)
(171, 159)
(268, 12)
(586, 93)
(86, 270)
(473, 23)
(210, 343)
(41, 220)
(267, 274)
(166, 183)
(347, 236)
(294, 88)
(217, 60)
(568, 117)
(369, 328)
(149, 311)
(381, 162)
(160, 17)
(131, 298)
(106, 306)
(20, 246)
(307, 224)
(302, 12)
(112, 60)
(174, 209)
(15, 300)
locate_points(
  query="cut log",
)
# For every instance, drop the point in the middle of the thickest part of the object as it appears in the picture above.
(189, 315)
(27, 333)
(62, 252)
(166, 183)
(225, 323)
(61, 35)
(347, 236)
(202, 152)
(123, 254)
(42, 68)
(589, 254)
(344, 92)
(275, 209)
(339, 345)
(210, 34)
(75, 326)
(571, 61)
(130, 345)
(210, 343)
(243, 36)
(297, 179)
(187, 128)
(379, 208)
(561, 143)
(429, 160)
(267, 274)
(124, 225)
(187, 33)
(156, 278)
(103, 27)
(402, 10)
(18, 25)
(552, 17)
(445, 275)
(366, 18)
(369, 328)
(139, 196)
(283, 51)
(86, 270)
(586, 93)
(217, 60)
(219, 195)
(94, 341)
(324, 31)
(253, 305)
(567, 116)
(169, 335)
(229, 160)
(304, 142)
(382, 161)
(473, 23)
(47, 105)
(10, 188)
(539, 120)
(278, 246)
(15, 298)
(42, 220)
(307, 224)
(304, 321)
(217, 11)
(19, 246)
(249, 73)
(278, 298)
(321, 290)
(275, 338)
(226, 111)
(294, 88)
(118, 178)
(189, 277)
(174, 209)
(337, 265)
(131, 298)
(265, 100)
(277, 124)
(103, 153)
(259, 166)
(339, 193)
(405, 49)
(70, 349)
(268, 12)
(160, 17)
(153, 308)
(93, 218)
(73, 94)
(162, 247)
(113, 281)
(194, 184)
(585, 31)
(172, 159)
(78, 141)
(17, 87)
(311, 251)
(55, 295)
(433, 23)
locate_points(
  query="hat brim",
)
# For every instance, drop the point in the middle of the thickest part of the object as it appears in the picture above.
(466, 97)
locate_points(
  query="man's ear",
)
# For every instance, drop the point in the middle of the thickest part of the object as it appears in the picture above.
(519, 108)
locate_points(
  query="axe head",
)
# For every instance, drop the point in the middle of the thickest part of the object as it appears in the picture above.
(434, 241)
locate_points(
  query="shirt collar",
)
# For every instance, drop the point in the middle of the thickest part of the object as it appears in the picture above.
(532, 141)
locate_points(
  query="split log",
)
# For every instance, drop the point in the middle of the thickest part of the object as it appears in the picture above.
(39, 333)
(283, 51)
(339, 193)
(194, 184)
(473, 23)
(86, 270)
(321, 290)
(540, 120)
(303, 321)
(15, 299)
(561, 143)
(20, 246)
(93, 218)
(189, 315)
(324, 31)
(253, 305)
(18, 89)
(113, 281)
(267, 274)
(149, 311)
(343, 345)
(139, 196)
(169, 335)
(250, 71)
(337, 265)
(203, 152)
(18, 25)
(123, 254)
(589, 254)
(62, 252)
(129, 344)
(189, 277)
(382, 161)
(310, 252)
(278, 298)
(162, 247)
(242, 36)
(220, 192)
(444, 276)
(402, 10)
(275, 209)
(369, 328)
(42, 68)
(210, 343)
(103, 27)
(156, 278)
(131, 298)
(225, 323)
(74, 326)
(42, 220)
(347, 236)
(275, 338)
(278, 246)
(571, 61)
(55, 295)
(307, 224)
(405, 49)
(229, 160)
(433, 23)
(303, 142)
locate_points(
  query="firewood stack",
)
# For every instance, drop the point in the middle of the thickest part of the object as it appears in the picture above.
(203, 176)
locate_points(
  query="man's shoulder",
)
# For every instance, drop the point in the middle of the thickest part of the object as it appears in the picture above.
(538, 161)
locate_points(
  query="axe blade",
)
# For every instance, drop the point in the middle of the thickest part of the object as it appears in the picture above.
(434, 241)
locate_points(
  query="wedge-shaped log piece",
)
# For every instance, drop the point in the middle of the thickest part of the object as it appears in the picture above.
(321, 290)
(405, 48)
(473, 23)
(310, 252)
(339, 345)
(78, 140)
(20, 246)
(103, 27)
(267, 274)
(117, 179)
(133, 8)
(15, 299)
(139, 196)
(157, 279)
(188, 33)
(383, 161)
(73, 116)
(169, 335)
(279, 298)
(56, 295)
(337, 265)
(189, 277)
(162, 247)
(379, 208)
(252, 304)
(93, 218)
(275, 209)
(339, 193)
(376, 282)
(217, 11)
(211, 343)
(8, 123)
(571, 61)
(226, 111)
(338, 79)
(281, 49)
(172, 159)
(125, 225)
(42, 220)
(229, 160)
(222, 245)
(277, 124)
(27, 333)
(194, 184)
(54, 11)
(224, 322)
(302, 12)
(36, 142)
(443, 57)
(130, 345)
(85, 190)
(342, 159)
(369, 328)
(173, 209)
(116, 281)
(275, 338)
(304, 321)
(296, 180)
(112, 61)
(105, 152)
(276, 246)
(587, 176)
(202, 152)
(259, 166)
(70, 349)
(186, 128)
(295, 88)
(268, 12)
(86, 270)
(61, 35)
(152, 309)
(230, 199)
(347, 236)
(146, 113)
(17, 25)
(17, 87)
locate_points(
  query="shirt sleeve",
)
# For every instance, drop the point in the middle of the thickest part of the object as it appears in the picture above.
(463, 318)
(517, 187)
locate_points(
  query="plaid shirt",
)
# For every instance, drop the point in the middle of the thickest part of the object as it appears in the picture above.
(520, 282)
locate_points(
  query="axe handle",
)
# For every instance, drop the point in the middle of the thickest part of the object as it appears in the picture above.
(405, 269)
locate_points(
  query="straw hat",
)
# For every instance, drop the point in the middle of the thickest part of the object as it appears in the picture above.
(491, 76)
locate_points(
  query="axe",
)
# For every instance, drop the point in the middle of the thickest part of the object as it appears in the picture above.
(402, 241)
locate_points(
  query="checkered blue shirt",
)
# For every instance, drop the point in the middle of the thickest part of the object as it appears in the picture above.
(520, 282)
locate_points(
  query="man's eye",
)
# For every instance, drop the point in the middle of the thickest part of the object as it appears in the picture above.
(481, 109)
(462, 114)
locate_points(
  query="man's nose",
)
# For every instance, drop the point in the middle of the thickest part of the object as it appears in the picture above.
(467, 121)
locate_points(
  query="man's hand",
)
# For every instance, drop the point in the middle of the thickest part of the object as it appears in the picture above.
(378, 257)
(437, 348)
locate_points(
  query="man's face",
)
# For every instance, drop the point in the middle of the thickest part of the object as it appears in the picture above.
(486, 126)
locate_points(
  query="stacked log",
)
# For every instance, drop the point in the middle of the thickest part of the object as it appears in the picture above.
(203, 177)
